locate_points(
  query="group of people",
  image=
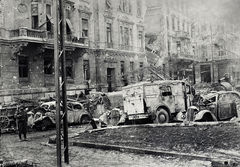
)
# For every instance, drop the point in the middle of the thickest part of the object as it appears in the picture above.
(21, 120)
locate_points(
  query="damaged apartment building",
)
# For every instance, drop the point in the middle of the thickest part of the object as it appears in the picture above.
(104, 44)
(168, 34)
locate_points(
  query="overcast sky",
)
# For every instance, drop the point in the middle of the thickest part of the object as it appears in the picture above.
(228, 10)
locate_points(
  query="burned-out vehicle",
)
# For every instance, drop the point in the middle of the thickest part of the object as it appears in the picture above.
(159, 101)
(221, 106)
(215, 106)
(45, 115)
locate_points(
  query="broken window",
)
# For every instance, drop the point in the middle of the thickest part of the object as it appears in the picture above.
(49, 18)
(48, 66)
(126, 36)
(121, 35)
(86, 69)
(125, 6)
(132, 68)
(23, 66)
(34, 14)
(109, 34)
(178, 46)
(69, 69)
(140, 39)
(131, 38)
(221, 50)
(122, 68)
(165, 90)
(84, 27)
(69, 27)
(140, 74)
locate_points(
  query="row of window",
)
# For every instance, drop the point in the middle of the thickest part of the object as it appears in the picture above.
(126, 33)
(126, 6)
(176, 24)
(49, 67)
(126, 37)
(122, 68)
(49, 20)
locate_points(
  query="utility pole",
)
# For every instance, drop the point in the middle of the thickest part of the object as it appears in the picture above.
(63, 84)
(57, 88)
(59, 54)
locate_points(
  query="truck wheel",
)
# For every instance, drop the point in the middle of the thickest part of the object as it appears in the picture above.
(161, 116)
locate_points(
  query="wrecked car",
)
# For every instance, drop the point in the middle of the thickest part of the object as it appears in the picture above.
(215, 106)
(45, 115)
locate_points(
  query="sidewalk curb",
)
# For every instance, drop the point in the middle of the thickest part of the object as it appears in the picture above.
(144, 151)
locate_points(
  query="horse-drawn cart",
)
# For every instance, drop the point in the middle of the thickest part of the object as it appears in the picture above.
(7, 119)
(7, 112)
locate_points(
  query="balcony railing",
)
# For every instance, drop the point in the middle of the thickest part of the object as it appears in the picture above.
(183, 55)
(181, 34)
(24, 32)
(43, 35)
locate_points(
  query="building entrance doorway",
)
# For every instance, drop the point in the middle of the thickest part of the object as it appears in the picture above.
(111, 79)
(205, 73)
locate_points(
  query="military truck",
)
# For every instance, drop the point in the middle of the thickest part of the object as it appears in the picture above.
(159, 101)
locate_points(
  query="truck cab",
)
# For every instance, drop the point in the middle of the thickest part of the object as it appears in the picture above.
(159, 101)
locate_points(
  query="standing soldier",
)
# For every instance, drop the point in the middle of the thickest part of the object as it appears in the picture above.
(21, 116)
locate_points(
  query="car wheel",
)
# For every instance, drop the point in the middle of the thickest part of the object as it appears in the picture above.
(85, 119)
(162, 116)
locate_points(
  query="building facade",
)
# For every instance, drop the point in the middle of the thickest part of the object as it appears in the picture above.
(217, 52)
(104, 41)
(168, 30)
(118, 42)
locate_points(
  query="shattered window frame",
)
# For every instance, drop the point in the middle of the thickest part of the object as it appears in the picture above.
(69, 69)
(132, 69)
(49, 26)
(23, 66)
(109, 33)
(48, 65)
(86, 70)
(34, 16)
(85, 27)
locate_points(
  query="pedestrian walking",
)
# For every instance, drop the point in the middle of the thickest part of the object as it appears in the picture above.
(21, 117)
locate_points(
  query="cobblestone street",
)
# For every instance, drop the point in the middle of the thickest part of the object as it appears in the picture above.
(37, 151)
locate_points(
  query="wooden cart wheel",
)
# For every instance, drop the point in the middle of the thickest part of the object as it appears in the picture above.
(4, 122)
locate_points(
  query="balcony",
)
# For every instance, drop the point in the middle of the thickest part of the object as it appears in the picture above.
(183, 55)
(111, 46)
(181, 34)
(41, 36)
(126, 47)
